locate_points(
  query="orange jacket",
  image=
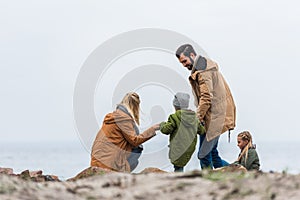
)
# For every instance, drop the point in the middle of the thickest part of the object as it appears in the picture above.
(115, 140)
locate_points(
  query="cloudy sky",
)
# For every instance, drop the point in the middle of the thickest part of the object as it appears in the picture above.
(44, 44)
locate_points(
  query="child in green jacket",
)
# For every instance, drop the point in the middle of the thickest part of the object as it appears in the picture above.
(248, 156)
(182, 126)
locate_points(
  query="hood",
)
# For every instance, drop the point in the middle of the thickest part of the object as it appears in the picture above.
(204, 64)
(187, 117)
(117, 116)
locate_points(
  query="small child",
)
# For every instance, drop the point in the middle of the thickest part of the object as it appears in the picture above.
(182, 126)
(248, 156)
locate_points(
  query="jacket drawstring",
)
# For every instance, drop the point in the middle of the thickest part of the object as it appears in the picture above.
(229, 135)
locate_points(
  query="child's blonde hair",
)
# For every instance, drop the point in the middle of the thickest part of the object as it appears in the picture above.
(245, 136)
(132, 102)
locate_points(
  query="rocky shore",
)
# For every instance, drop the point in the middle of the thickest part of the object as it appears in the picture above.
(152, 183)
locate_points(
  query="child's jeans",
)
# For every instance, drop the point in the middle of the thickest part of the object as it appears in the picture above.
(178, 169)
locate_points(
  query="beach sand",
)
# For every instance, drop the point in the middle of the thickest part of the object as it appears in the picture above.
(155, 184)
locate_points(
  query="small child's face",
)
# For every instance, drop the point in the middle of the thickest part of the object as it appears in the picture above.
(241, 143)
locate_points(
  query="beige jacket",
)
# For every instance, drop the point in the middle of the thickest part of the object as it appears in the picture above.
(213, 99)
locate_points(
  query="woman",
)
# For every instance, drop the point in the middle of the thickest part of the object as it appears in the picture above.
(119, 135)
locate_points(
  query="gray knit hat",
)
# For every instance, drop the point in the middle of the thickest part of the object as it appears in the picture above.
(181, 100)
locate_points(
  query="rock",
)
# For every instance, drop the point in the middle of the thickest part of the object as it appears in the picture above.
(37, 176)
(8, 171)
(152, 170)
(24, 175)
(35, 173)
(51, 178)
(90, 171)
(231, 168)
(44, 178)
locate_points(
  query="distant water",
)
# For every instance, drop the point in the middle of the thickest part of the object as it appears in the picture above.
(66, 159)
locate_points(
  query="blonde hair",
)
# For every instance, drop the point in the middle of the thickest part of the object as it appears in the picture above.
(132, 103)
(245, 136)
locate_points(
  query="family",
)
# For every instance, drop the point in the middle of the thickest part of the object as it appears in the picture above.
(118, 144)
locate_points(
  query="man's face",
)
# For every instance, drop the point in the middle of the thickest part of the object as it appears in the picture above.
(186, 61)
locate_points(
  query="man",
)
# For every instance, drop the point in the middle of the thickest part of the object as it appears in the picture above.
(214, 102)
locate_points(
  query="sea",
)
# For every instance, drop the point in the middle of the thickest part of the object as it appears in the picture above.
(68, 158)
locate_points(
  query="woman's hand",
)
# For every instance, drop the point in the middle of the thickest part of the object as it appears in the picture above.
(156, 127)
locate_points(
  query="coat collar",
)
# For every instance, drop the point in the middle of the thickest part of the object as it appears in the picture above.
(202, 64)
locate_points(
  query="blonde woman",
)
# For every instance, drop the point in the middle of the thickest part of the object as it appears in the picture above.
(248, 156)
(119, 135)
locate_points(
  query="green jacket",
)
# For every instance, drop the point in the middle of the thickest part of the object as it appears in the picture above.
(182, 126)
(252, 162)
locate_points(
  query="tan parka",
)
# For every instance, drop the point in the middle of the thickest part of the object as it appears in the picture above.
(115, 140)
(213, 99)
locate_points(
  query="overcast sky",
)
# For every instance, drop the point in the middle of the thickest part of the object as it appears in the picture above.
(43, 45)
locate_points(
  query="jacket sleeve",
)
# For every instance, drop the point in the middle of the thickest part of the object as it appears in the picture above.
(168, 127)
(205, 96)
(129, 134)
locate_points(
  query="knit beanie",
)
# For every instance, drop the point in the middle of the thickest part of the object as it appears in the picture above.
(181, 100)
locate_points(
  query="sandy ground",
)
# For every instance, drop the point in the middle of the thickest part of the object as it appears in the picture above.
(188, 185)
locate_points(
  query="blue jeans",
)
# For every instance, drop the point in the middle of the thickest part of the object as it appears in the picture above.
(134, 156)
(209, 155)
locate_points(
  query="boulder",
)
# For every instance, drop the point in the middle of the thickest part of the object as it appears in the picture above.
(90, 171)
(8, 171)
(152, 170)
(231, 168)
(35, 173)
(37, 176)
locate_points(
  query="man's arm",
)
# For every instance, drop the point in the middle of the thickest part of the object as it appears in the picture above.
(205, 96)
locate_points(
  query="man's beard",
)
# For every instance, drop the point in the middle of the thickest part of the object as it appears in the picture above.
(190, 66)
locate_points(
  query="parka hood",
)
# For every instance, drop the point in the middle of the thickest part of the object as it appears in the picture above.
(204, 64)
(117, 116)
(187, 117)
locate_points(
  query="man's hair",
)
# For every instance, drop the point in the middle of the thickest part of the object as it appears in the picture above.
(186, 49)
